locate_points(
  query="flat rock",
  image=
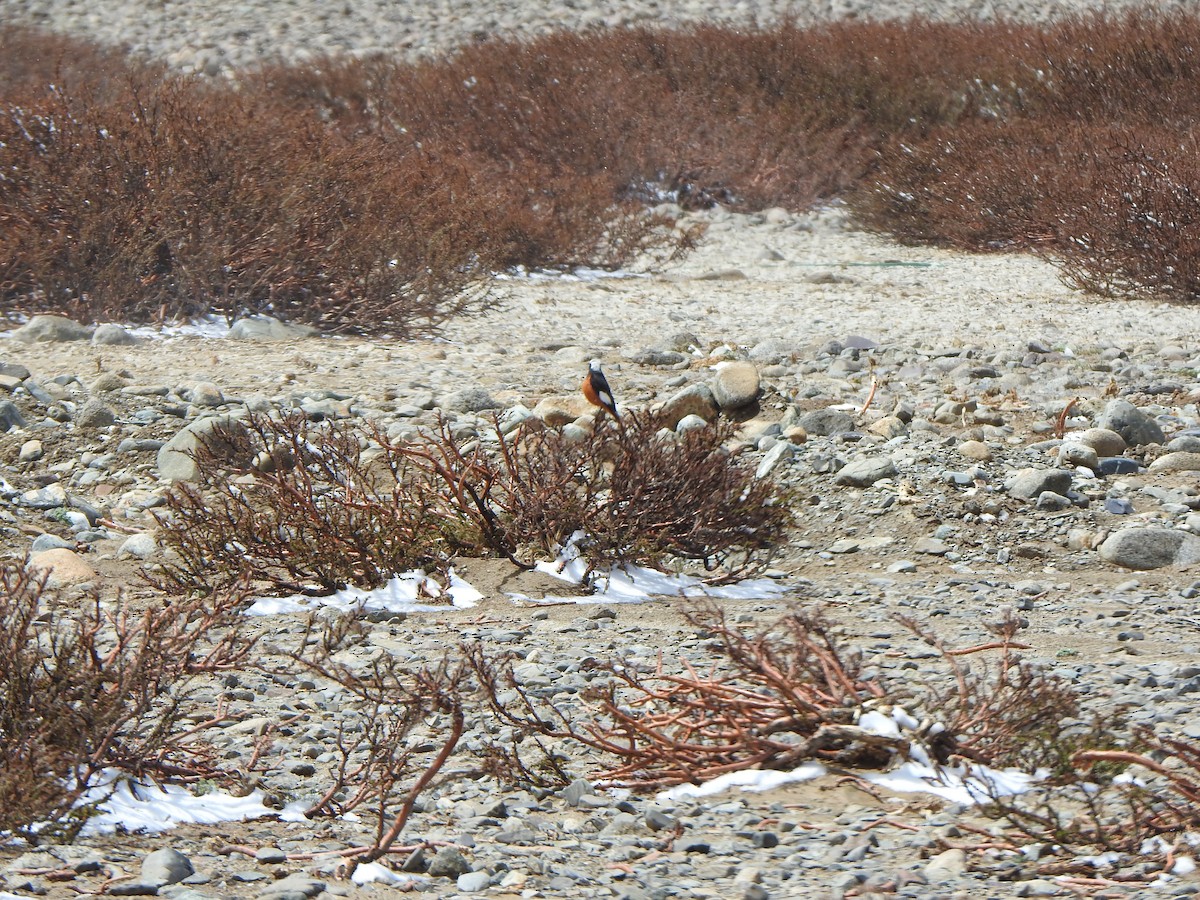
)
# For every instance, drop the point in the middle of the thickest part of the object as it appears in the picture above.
(1150, 548)
(63, 567)
(826, 421)
(1029, 484)
(95, 414)
(51, 330)
(10, 416)
(1181, 461)
(865, 472)
(267, 328)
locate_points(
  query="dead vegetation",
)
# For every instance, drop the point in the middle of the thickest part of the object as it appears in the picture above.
(310, 507)
(379, 196)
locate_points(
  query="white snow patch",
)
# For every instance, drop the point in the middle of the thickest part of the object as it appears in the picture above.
(365, 873)
(746, 779)
(636, 584)
(966, 785)
(403, 593)
(148, 808)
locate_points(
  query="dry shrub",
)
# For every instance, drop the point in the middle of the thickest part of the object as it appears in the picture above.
(793, 691)
(301, 507)
(1137, 231)
(92, 686)
(176, 199)
(636, 491)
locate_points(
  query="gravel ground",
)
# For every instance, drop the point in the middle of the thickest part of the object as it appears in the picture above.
(918, 502)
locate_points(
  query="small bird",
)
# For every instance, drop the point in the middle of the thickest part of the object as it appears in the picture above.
(597, 391)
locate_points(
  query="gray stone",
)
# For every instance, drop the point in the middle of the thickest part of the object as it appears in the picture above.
(474, 399)
(10, 416)
(931, 546)
(473, 881)
(1181, 461)
(865, 472)
(266, 328)
(295, 885)
(693, 400)
(690, 423)
(52, 496)
(448, 863)
(577, 789)
(51, 330)
(108, 381)
(166, 866)
(1029, 484)
(176, 460)
(31, 451)
(1150, 548)
(95, 414)
(826, 421)
(1049, 500)
(138, 546)
(1133, 425)
(14, 370)
(110, 334)
(1072, 454)
(735, 385)
(653, 357)
(946, 865)
(205, 393)
(270, 856)
(49, 542)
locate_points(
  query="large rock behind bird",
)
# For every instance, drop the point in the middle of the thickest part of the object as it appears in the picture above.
(735, 384)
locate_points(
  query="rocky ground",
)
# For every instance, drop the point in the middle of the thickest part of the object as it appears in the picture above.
(910, 396)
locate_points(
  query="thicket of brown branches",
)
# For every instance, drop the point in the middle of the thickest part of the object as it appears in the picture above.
(378, 195)
(87, 686)
(303, 506)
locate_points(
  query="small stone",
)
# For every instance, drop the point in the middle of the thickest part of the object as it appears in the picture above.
(471, 882)
(448, 863)
(205, 393)
(1118, 506)
(108, 382)
(657, 820)
(111, 334)
(294, 885)
(574, 791)
(865, 472)
(1038, 887)
(176, 458)
(64, 567)
(1028, 484)
(95, 414)
(1103, 440)
(1052, 502)
(976, 450)
(1078, 455)
(693, 400)
(930, 546)
(10, 416)
(946, 865)
(561, 410)
(474, 399)
(266, 328)
(270, 856)
(1117, 465)
(44, 542)
(826, 421)
(902, 567)
(31, 451)
(844, 545)
(138, 546)
(166, 866)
